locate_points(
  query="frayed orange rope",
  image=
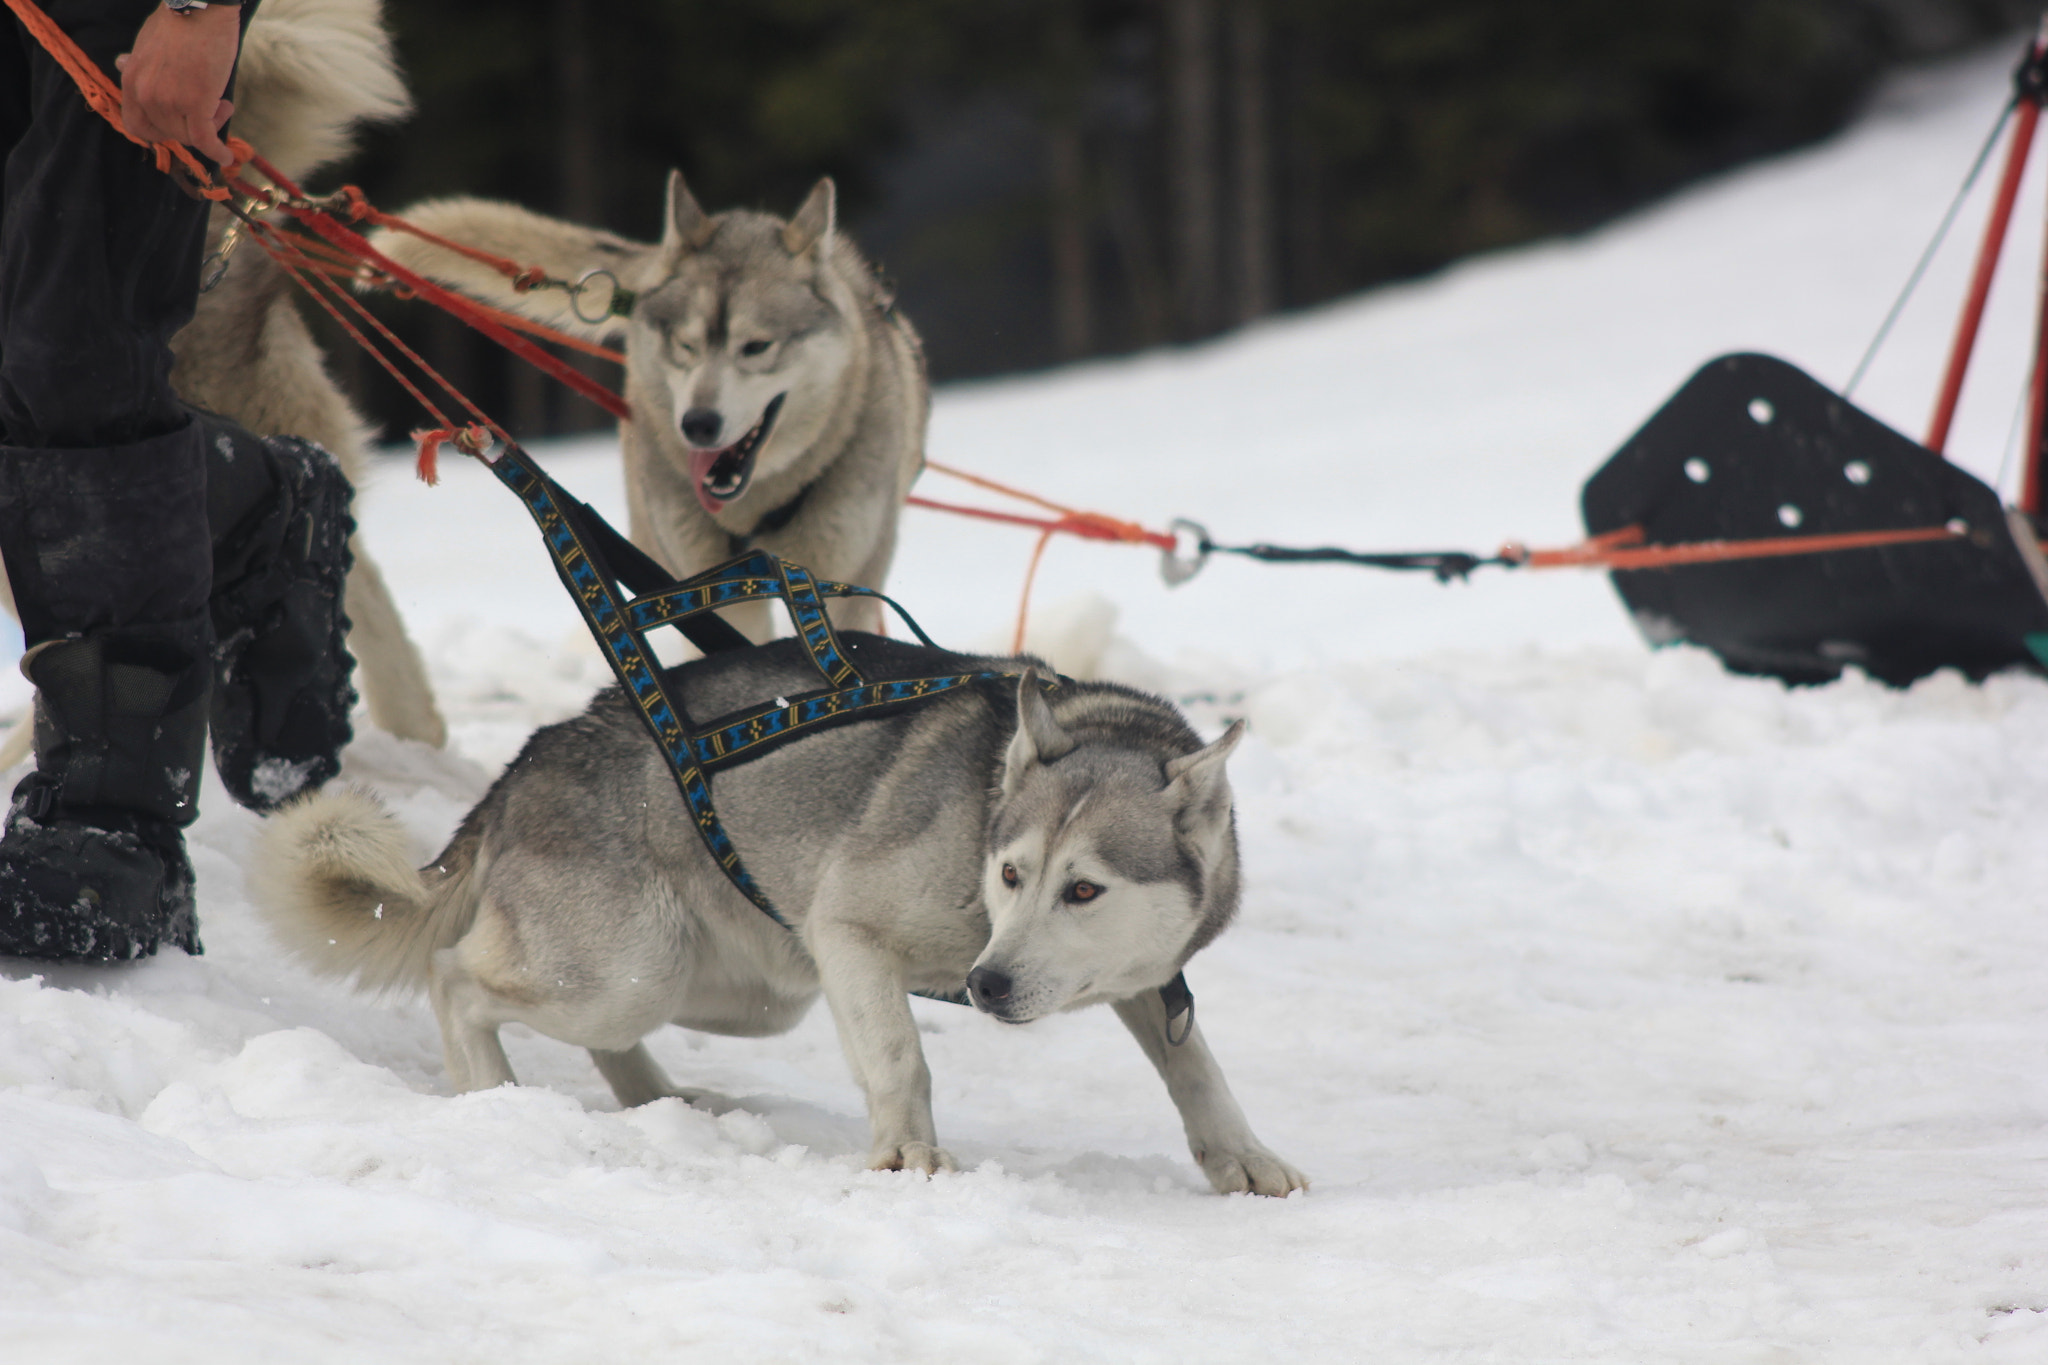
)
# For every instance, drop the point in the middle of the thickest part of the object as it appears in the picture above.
(473, 439)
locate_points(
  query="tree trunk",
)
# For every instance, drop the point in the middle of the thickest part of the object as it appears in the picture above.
(577, 151)
(1073, 321)
(1305, 277)
(579, 197)
(1068, 72)
(1252, 133)
(1131, 232)
(1192, 198)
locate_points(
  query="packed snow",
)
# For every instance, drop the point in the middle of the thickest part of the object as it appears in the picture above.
(1620, 1009)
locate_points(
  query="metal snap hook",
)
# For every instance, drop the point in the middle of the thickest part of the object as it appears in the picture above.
(215, 267)
(1189, 553)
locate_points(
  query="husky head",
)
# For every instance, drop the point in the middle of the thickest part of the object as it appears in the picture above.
(1108, 866)
(747, 335)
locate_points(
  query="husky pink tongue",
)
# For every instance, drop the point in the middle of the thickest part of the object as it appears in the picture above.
(700, 470)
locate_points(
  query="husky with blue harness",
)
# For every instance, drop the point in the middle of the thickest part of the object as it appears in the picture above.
(923, 822)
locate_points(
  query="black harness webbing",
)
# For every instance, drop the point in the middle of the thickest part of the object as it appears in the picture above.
(594, 561)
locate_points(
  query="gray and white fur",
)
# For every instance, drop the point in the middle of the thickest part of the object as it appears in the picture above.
(778, 398)
(1048, 852)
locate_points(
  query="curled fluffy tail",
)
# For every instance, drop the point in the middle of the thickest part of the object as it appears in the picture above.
(334, 877)
(311, 71)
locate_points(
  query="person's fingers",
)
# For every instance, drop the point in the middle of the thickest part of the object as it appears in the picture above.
(201, 132)
(204, 136)
(137, 120)
(172, 80)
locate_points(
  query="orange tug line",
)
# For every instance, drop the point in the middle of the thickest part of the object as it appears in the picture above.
(336, 257)
(105, 98)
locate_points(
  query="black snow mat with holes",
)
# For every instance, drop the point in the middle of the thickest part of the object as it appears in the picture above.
(1751, 448)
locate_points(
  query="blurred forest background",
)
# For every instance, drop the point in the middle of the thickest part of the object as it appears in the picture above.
(1051, 179)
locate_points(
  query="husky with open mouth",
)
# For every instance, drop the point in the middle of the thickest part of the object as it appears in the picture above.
(779, 399)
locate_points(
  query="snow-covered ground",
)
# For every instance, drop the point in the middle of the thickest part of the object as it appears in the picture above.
(1621, 1010)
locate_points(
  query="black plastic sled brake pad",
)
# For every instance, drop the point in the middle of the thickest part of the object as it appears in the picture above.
(1752, 449)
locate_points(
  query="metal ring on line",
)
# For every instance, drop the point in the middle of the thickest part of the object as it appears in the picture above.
(584, 282)
(1189, 553)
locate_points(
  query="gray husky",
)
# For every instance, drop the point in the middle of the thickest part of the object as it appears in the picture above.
(779, 399)
(1049, 852)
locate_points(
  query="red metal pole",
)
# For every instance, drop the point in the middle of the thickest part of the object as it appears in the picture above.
(2037, 416)
(2037, 406)
(1987, 265)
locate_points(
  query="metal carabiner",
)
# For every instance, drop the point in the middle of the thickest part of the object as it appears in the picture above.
(1189, 553)
(214, 268)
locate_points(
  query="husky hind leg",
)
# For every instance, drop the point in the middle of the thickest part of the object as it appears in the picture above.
(469, 1012)
(637, 1079)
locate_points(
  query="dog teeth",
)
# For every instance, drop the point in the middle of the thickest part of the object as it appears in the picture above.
(728, 473)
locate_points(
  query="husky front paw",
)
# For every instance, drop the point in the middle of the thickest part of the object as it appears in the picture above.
(911, 1156)
(1249, 1170)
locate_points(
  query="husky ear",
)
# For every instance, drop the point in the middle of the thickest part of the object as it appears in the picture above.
(1039, 738)
(810, 228)
(1195, 782)
(686, 226)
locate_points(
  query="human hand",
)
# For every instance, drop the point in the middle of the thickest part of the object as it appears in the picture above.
(172, 83)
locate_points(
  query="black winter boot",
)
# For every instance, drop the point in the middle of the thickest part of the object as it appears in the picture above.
(279, 512)
(107, 553)
(92, 865)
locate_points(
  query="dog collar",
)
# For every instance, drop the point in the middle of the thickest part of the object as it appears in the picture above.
(1178, 1000)
(772, 521)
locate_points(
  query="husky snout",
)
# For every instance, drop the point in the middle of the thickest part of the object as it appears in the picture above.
(720, 474)
(992, 991)
(701, 427)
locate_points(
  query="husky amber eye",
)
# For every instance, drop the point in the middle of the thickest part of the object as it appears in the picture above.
(1082, 892)
(754, 348)
(1009, 875)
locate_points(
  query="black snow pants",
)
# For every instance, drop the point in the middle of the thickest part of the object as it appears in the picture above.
(104, 525)
(102, 474)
